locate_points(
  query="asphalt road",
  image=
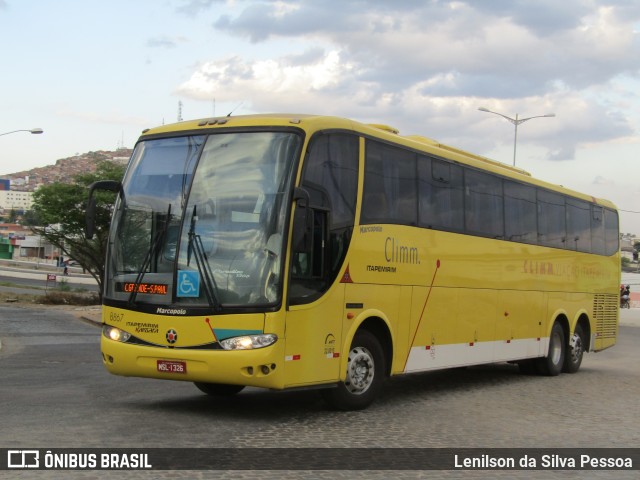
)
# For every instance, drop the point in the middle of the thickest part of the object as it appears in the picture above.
(55, 393)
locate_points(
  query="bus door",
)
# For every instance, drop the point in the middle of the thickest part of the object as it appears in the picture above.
(313, 335)
(324, 216)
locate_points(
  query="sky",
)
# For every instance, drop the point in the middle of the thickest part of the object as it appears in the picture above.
(93, 74)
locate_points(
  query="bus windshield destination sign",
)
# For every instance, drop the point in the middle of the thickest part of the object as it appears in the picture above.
(148, 288)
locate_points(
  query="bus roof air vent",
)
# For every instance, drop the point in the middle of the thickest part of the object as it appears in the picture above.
(421, 139)
(386, 128)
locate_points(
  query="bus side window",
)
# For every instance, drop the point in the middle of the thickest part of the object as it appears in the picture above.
(578, 225)
(389, 186)
(520, 212)
(483, 204)
(597, 230)
(611, 228)
(441, 195)
(552, 220)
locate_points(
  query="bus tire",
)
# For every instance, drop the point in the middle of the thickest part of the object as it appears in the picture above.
(365, 375)
(575, 352)
(552, 364)
(219, 389)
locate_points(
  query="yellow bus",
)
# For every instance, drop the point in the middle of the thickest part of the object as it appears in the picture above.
(301, 251)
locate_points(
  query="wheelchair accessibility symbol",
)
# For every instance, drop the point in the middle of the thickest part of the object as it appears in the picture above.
(188, 283)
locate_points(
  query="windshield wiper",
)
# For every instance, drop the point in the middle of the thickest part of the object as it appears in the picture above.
(196, 248)
(158, 240)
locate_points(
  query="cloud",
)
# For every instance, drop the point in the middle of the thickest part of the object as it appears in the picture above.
(600, 180)
(499, 43)
(165, 41)
(426, 67)
(328, 85)
(287, 81)
(192, 8)
(544, 17)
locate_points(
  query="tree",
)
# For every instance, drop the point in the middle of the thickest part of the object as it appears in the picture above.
(30, 218)
(60, 209)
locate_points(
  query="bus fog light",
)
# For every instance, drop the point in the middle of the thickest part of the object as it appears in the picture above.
(115, 334)
(249, 342)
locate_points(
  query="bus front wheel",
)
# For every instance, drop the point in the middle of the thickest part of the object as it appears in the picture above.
(552, 364)
(365, 372)
(218, 389)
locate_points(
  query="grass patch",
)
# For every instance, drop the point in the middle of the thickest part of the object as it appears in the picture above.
(56, 297)
(18, 298)
(17, 285)
(52, 297)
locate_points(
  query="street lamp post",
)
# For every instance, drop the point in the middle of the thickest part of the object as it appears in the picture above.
(516, 121)
(35, 131)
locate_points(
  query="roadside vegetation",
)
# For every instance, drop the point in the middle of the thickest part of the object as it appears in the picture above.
(60, 295)
(58, 216)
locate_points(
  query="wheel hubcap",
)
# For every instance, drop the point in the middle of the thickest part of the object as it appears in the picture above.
(360, 371)
(556, 348)
(576, 348)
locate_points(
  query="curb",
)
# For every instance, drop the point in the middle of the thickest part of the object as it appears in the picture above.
(90, 319)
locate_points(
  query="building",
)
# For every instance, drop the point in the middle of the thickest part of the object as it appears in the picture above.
(627, 246)
(18, 242)
(15, 200)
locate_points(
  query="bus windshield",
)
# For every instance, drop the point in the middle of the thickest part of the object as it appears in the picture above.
(200, 221)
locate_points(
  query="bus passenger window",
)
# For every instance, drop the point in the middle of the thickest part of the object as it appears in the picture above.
(441, 195)
(578, 225)
(483, 204)
(389, 186)
(552, 230)
(612, 239)
(520, 213)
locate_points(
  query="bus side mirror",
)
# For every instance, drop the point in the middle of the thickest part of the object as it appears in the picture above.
(302, 239)
(90, 215)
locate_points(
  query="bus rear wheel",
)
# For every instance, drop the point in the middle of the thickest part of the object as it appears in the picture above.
(219, 389)
(552, 364)
(365, 372)
(575, 353)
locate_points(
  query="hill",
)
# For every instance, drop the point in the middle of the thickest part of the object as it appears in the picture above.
(64, 169)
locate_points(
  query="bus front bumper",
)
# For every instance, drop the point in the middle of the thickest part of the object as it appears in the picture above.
(257, 367)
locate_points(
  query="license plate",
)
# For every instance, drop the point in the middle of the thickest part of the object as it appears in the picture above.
(171, 366)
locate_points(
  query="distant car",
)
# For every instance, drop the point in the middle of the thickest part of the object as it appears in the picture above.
(73, 263)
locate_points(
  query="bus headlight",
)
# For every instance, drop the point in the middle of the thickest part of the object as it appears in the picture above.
(249, 342)
(115, 334)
